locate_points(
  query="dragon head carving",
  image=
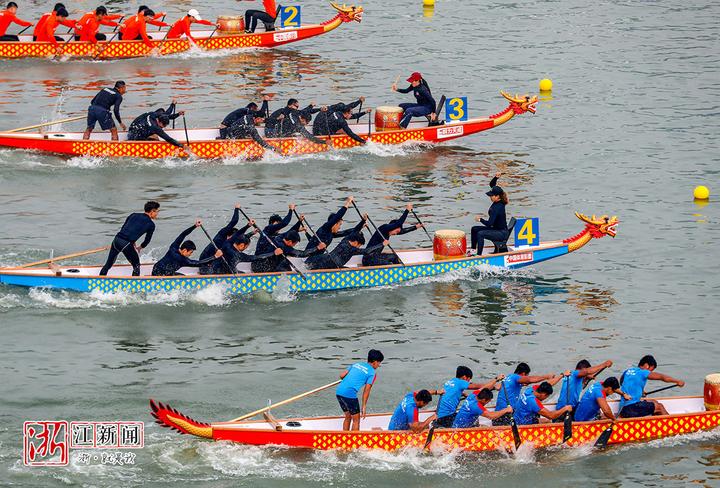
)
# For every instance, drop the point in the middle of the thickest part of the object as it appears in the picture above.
(521, 103)
(599, 226)
(348, 14)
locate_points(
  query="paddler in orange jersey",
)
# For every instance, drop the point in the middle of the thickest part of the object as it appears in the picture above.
(40, 26)
(182, 26)
(89, 24)
(135, 28)
(7, 17)
(154, 19)
(53, 22)
(267, 17)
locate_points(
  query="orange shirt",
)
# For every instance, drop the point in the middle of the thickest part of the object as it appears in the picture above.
(40, 27)
(48, 32)
(133, 27)
(154, 21)
(270, 7)
(7, 18)
(182, 26)
(88, 26)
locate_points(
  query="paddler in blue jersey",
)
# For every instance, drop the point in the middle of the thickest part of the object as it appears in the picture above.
(356, 376)
(407, 414)
(135, 226)
(594, 400)
(633, 382)
(425, 102)
(178, 255)
(474, 407)
(529, 407)
(513, 385)
(454, 388)
(583, 370)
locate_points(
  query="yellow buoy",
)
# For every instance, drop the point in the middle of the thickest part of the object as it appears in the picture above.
(545, 85)
(429, 3)
(701, 193)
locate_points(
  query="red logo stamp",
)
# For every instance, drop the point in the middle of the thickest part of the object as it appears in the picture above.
(519, 258)
(46, 443)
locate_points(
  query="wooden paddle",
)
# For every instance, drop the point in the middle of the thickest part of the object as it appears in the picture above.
(62, 258)
(263, 234)
(423, 225)
(513, 424)
(306, 224)
(232, 270)
(45, 124)
(660, 389)
(285, 402)
(378, 231)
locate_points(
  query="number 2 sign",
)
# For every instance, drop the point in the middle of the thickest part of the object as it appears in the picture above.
(527, 232)
(290, 16)
(456, 109)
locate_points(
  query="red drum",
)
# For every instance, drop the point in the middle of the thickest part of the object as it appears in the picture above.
(449, 244)
(712, 391)
(388, 118)
(231, 24)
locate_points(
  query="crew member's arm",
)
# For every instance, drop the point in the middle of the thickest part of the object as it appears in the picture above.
(605, 408)
(50, 32)
(667, 379)
(179, 240)
(489, 385)
(337, 216)
(496, 415)
(355, 103)
(493, 214)
(553, 414)
(246, 258)
(527, 380)
(344, 233)
(556, 379)
(258, 138)
(307, 252)
(116, 109)
(233, 221)
(420, 426)
(158, 23)
(369, 250)
(272, 229)
(148, 236)
(404, 90)
(164, 135)
(108, 20)
(591, 372)
(304, 132)
(346, 128)
(19, 21)
(411, 228)
(142, 27)
(365, 398)
(264, 110)
(68, 23)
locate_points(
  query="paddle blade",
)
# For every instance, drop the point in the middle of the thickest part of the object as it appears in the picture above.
(430, 435)
(567, 428)
(602, 441)
(516, 434)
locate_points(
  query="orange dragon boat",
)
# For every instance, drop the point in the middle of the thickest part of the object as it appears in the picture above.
(206, 39)
(686, 414)
(203, 143)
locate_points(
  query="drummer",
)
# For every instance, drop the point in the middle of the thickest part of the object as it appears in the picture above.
(495, 227)
(392, 228)
(182, 26)
(7, 17)
(267, 17)
(425, 102)
(633, 382)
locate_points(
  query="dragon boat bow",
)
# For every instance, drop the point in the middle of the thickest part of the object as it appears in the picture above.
(206, 40)
(204, 143)
(418, 263)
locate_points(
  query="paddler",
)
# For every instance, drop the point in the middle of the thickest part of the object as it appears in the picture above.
(495, 227)
(267, 17)
(454, 388)
(89, 24)
(321, 118)
(513, 385)
(235, 115)
(178, 255)
(182, 26)
(135, 27)
(47, 33)
(221, 236)
(233, 252)
(529, 407)
(406, 415)
(135, 226)
(245, 128)
(281, 124)
(392, 228)
(343, 252)
(8, 17)
(356, 376)
(287, 243)
(633, 382)
(336, 123)
(425, 102)
(582, 372)
(275, 225)
(99, 110)
(150, 127)
(40, 27)
(153, 20)
(594, 400)
(474, 407)
(331, 228)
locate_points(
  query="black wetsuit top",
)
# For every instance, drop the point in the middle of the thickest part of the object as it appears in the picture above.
(422, 95)
(496, 213)
(278, 263)
(386, 228)
(233, 258)
(334, 122)
(146, 125)
(109, 97)
(244, 128)
(221, 235)
(319, 126)
(235, 115)
(324, 232)
(271, 230)
(339, 256)
(137, 224)
(172, 261)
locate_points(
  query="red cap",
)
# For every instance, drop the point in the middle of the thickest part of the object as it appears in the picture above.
(415, 77)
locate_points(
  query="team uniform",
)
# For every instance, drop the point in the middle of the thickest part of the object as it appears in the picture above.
(146, 125)
(527, 409)
(99, 109)
(513, 388)
(172, 261)
(469, 412)
(633, 382)
(271, 230)
(449, 401)
(339, 256)
(359, 375)
(40, 31)
(588, 408)
(406, 413)
(378, 258)
(494, 228)
(135, 29)
(333, 124)
(134, 227)
(88, 26)
(7, 18)
(425, 103)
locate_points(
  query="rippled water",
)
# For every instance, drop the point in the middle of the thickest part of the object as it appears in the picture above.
(630, 129)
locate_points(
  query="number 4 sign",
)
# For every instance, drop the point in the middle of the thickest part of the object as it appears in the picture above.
(527, 232)
(290, 16)
(456, 109)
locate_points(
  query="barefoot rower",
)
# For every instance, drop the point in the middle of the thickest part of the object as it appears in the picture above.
(594, 400)
(233, 251)
(331, 228)
(474, 407)
(633, 382)
(182, 26)
(495, 227)
(287, 243)
(338, 257)
(425, 102)
(178, 255)
(583, 371)
(135, 226)
(392, 228)
(406, 415)
(267, 17)
(529, 407)
(99, 110)
(235, 115)
(8, 17)
(513, 385)
(454, 388)
(150, 127)
(358, 375)
(89, 24)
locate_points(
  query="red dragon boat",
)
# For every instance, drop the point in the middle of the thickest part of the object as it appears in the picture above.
(206, 39)
(204, 144)
(686, 414)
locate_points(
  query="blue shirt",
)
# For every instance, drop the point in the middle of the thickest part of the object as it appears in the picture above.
(449, 401)
(588, 407)
(470, 410)
(633, 383)
(405, 413)
(513, 387)
(575, 390)
(359, 375)
(527, 408)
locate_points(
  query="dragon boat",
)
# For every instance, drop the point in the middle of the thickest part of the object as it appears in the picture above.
(686, 414)
(417, 263)
(204, 143)
(209, 40)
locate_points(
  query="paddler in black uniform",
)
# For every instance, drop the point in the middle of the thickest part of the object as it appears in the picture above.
(321, 118)
(233, 252)
(348, 247)
(134, 227)
(275, 225)
(295, 123)
(99, 110)
(392, 228)
(287, 243)
(331, 228)
(235, 115)
(149, 127)
(244, 128)
(336, 122)
(221, 236)
(178, 255)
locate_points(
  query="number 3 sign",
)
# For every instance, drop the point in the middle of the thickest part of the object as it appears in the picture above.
(456, 109)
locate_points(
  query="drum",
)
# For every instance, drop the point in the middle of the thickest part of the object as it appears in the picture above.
(712, 391)
(387, 118)
(231, 24)
(449, 244)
